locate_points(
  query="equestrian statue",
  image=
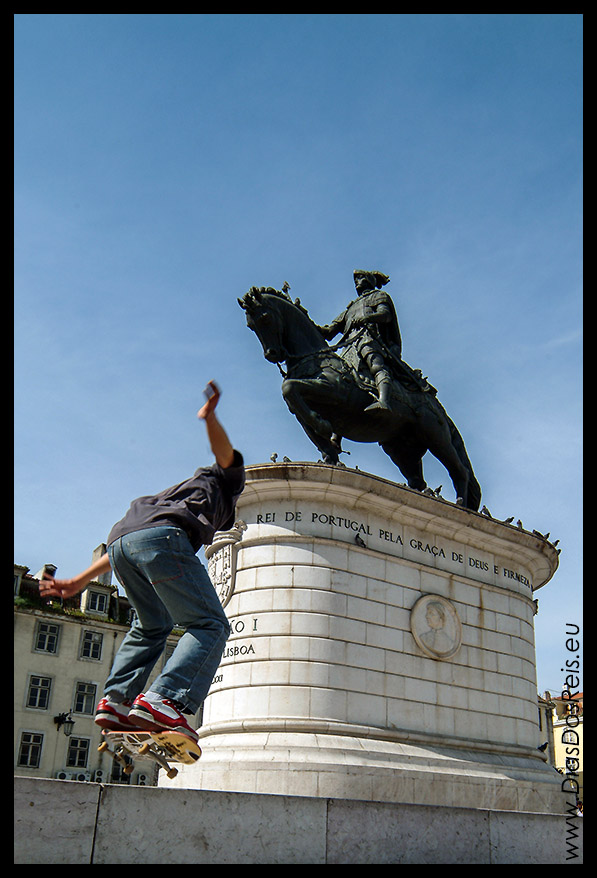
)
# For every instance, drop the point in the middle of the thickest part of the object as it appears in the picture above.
(359, 388)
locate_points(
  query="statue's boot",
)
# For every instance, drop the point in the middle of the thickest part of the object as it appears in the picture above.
(384, 387)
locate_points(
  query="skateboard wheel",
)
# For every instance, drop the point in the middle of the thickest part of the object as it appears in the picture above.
(172, 772)
(143, 749)
(103, 746)
(128, 769)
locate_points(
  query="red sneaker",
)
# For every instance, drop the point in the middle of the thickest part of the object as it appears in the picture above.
(154, 713)
(113, 715)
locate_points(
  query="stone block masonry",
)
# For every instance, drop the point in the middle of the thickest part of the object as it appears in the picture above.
(71, 823)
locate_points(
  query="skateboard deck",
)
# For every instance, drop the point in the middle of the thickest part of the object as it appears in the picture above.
(161, 747)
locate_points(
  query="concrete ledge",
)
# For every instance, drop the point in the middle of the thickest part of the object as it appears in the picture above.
(71, 823)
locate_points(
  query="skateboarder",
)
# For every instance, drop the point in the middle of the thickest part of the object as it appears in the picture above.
(152, 552)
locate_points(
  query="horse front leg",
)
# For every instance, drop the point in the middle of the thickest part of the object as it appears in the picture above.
(318, 429)
(409, 461)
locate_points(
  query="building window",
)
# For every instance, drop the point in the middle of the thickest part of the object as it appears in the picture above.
(30, 750)
(38, 694)
(91, 645)
(97, 602)
(78, 752)
(118, 774)
(85, 694)
(46, 637)
(570, 737)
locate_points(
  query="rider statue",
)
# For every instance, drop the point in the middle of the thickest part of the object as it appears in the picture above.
(369, 325)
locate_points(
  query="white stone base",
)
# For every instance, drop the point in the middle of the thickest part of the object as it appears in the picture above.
(382, 648)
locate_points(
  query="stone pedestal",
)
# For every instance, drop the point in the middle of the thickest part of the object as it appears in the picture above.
(382, 648)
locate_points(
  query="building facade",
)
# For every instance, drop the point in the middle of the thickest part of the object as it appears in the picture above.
(63, 655)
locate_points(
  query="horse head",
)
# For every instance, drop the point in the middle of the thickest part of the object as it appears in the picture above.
(264, 319)
(283, 326)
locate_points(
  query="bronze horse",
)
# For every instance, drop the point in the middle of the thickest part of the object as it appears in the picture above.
(329, 398)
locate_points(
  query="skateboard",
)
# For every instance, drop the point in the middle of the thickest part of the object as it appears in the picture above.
(162, 747)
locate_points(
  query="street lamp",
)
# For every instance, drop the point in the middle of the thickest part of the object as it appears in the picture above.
(66, 720)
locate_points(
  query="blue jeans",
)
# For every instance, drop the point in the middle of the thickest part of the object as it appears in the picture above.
(168, 586)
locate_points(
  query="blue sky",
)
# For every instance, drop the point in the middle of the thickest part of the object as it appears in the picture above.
(166, 163)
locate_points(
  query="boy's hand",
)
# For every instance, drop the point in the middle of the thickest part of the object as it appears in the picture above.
(60, 588)
(66, 588)
(213, 395)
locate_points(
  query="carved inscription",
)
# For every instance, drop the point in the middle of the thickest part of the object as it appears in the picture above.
(244, 650)
(378, 537)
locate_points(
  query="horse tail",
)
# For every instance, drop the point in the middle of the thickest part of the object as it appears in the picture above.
(473, 499)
